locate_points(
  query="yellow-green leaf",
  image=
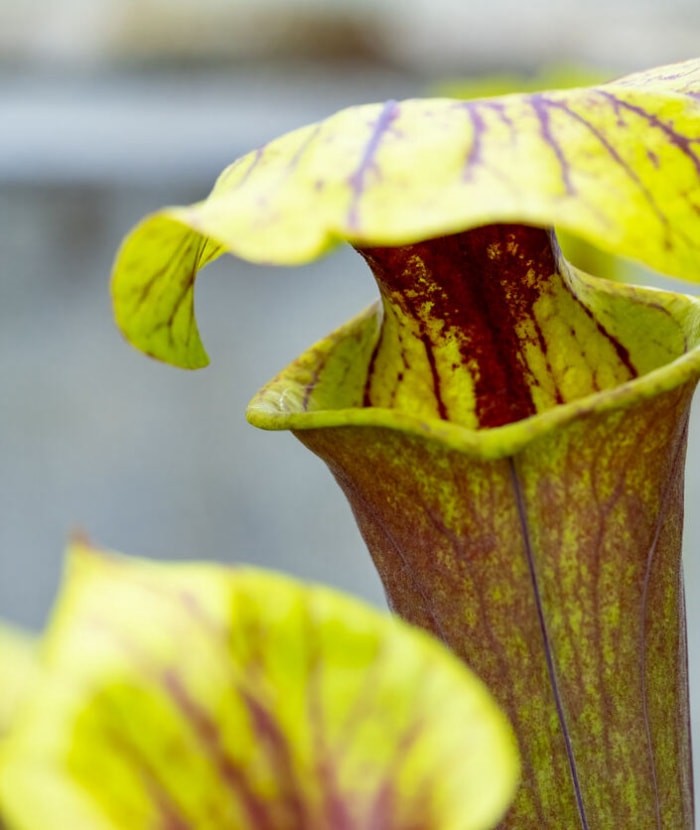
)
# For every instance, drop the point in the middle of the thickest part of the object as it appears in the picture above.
(555, 76)
(617, 164)
(18, 669)
(194, 696)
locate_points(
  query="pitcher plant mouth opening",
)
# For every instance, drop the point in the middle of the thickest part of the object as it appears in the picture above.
(485, 340)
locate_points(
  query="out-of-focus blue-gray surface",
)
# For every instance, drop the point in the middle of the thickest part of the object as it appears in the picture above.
(145, 458)
(94, 435)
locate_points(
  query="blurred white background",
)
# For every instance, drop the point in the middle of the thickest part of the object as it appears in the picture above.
(111, 108)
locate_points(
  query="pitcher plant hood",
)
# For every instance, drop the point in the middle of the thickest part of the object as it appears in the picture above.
(616, 164)
(509, 431)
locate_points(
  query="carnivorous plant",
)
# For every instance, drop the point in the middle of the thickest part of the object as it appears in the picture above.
(510, 432)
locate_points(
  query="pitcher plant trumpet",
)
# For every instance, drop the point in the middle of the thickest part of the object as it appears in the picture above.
(509, 431)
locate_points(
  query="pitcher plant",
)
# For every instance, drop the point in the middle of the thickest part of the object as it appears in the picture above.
(509, 431)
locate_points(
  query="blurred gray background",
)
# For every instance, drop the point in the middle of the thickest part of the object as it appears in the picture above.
(112, 108)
